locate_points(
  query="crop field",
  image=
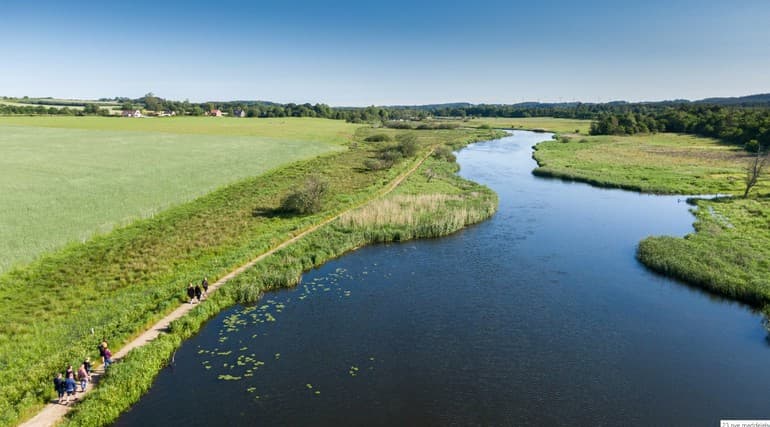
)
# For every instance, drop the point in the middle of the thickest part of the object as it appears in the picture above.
(660, 163)
(64, 179)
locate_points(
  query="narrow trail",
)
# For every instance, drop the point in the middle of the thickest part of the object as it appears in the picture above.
(54, 412)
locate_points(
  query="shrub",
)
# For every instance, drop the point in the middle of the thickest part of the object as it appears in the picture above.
(378, 137)
(407, 145)
(485, 126)
(375, 164)
(307, 199)
(444, 152)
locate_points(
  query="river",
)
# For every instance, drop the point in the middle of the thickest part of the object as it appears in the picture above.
(541, 315)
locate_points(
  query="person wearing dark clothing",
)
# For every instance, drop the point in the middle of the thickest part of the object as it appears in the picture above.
(205, 284)
(198, 292)
(190, 292)
(69, 387)
(58, 385)
(69, 372)
(87, 364)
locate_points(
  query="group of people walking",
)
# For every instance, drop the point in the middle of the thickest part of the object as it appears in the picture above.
(198, 292)
(66, 384)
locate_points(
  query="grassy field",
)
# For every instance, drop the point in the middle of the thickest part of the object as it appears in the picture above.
(535, 123)
(87, 175)
(661, 163)
(121, 282)
(286, 128)
(729, 252)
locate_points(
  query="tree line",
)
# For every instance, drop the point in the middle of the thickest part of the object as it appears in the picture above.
(748, 127)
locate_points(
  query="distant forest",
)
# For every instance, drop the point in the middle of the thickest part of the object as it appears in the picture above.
(742, 120)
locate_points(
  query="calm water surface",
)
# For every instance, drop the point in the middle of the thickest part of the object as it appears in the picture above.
(539, 315)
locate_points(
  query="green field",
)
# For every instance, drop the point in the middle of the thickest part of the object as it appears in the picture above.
(66, 183)
(535, 123)
(660, 163)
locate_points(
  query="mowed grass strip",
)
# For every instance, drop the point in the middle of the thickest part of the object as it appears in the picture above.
(121, 282)
(661, 163)
(61, 185)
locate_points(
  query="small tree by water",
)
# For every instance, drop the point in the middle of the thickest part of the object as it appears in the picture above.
(754, 170)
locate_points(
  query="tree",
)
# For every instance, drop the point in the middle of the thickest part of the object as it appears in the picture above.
(309, 198)
(754, 170)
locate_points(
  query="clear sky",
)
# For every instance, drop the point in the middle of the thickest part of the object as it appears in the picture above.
(386, 52)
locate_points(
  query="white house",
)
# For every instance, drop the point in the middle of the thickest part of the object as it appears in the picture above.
(131, 113)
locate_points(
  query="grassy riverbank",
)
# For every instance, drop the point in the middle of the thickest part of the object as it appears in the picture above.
(444, 203)
(662, 163)
(729, 251)
(121, 282)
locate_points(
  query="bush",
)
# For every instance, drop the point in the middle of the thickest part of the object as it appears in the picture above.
(378, 137)
(444, 152)
(308, 199)
(407, 145)
(485, 126)
(376, 164)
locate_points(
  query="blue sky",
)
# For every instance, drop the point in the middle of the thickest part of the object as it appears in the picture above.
(396, 52)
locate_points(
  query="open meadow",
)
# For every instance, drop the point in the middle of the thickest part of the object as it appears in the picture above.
(64, 179)
(654, 163)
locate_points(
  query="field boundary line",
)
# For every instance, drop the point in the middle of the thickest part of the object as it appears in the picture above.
(53, 413)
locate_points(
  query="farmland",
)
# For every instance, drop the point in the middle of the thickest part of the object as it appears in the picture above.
(65, 179)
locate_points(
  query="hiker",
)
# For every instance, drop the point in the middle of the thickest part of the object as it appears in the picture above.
(205, 284)
(84, 377)
(58, 385)
(69, 372)
(69, 387)
(198, 292)
(190, 292)
(87, 365)
(107, 357)
(102, 346)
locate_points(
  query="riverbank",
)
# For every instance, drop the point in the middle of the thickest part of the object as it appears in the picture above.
(134, 276)
(728, 252)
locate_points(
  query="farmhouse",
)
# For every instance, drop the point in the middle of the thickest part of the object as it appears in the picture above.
(238, 112)
(131, 113)
(215, 113)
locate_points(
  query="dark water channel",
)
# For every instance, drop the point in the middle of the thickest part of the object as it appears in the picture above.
(541, 315)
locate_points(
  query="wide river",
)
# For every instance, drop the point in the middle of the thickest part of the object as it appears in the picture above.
(541, 315)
